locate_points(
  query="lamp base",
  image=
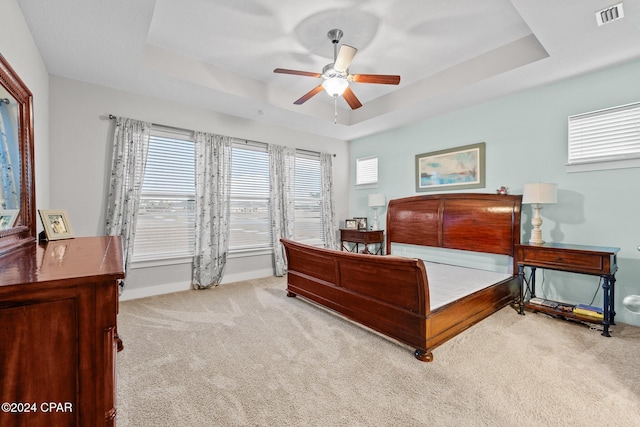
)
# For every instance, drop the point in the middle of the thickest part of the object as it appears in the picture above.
(536, 222)
(375, 219)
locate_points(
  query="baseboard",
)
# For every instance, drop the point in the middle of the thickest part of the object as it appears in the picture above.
(249, 275)
(168, 288)
(149, 291)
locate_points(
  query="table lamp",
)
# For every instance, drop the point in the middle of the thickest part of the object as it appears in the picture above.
(536, 194)
(376, 201)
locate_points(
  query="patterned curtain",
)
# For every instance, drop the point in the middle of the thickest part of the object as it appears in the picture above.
(9, 154)
(213, 198)
(281, 200)
(129, 159)
(328, 209)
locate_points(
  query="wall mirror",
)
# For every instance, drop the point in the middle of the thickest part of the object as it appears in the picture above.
(17, 185)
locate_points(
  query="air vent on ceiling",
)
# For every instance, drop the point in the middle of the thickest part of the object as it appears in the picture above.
(610, 14)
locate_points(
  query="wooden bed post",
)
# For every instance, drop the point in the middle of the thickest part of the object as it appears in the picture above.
(423, 356)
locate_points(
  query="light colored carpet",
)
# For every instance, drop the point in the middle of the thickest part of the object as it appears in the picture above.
(245, 354)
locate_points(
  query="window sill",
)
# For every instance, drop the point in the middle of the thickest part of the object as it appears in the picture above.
(366, 186)
(605, 165)
(161, 262)
(250, 253)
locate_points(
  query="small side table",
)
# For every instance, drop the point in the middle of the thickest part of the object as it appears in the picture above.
(363, 238)
(592, 260)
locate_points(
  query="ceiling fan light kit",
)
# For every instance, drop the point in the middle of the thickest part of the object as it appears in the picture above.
(336, 76)
(335, 86)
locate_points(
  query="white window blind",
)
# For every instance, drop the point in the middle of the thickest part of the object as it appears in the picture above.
(606, 135)
(166, 217)
(367, 171)
(250, 226)
(308, 226)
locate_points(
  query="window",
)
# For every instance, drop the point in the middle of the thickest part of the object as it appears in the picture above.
(308, 225)
(166, 217)
(250, 226)
(605, 139)
(367, 171)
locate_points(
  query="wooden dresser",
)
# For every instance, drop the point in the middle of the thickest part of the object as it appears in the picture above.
(58, 336)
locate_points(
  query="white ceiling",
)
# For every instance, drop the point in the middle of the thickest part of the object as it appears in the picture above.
(220, 54)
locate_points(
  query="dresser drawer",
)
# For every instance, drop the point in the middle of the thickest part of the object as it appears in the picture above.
(359, 236)
(564, 259)
(567, 260)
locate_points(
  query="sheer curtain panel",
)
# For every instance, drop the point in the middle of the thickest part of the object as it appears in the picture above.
(328, 208)
(130, 148)
(213, 190)
(281, 176)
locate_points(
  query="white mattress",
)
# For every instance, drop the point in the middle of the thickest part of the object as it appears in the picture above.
(448, 283)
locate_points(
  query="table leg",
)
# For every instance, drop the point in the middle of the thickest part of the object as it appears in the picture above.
(533, 282)
(521, 283)
(606, 309)
(612, 300)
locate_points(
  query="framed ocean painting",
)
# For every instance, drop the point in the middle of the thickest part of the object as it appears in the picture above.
(457, 168)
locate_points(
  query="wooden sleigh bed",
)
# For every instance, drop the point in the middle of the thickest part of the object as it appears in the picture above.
(396, 296)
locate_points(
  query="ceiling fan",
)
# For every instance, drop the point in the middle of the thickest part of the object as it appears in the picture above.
(336, 75)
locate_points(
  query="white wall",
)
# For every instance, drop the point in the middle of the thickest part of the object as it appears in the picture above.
(19, 49)
(526, 141)
(81, 140)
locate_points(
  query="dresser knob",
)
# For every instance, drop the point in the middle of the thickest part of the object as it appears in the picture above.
(559, 258)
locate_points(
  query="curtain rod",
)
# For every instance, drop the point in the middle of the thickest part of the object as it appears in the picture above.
(181, 130)
(247, 141)
(302, 150)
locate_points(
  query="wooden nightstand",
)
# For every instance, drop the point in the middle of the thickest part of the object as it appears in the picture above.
(363, 238)
(593, 260)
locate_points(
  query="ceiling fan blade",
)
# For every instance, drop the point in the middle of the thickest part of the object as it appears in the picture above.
(308, 95)
(384, 79)
(296, 72)
(345, 56)
(351, 99)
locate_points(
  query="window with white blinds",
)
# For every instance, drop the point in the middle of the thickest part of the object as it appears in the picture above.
(367, 171)
(166, 217)
(609, 135)
(308, 200)
(250, 226)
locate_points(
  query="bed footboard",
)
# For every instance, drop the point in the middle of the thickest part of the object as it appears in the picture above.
(385, 293)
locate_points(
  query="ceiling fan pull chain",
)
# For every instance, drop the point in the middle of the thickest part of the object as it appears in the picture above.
(335, 109)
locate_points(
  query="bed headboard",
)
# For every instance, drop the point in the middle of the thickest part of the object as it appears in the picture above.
(468, 221)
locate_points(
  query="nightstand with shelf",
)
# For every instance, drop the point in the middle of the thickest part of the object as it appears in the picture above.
(369, 240)
(592, 260)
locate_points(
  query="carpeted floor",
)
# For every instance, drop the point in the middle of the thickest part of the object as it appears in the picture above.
(244, 354)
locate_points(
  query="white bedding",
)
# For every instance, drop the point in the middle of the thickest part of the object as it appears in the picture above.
(448, 283)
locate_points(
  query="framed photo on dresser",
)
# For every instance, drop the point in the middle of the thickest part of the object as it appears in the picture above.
(351, 224)
(362, 223)
(56, 224)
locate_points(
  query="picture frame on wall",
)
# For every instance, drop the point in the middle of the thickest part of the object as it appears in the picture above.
(458, 168)
(56, 224)
(362, 223)
(350, 224)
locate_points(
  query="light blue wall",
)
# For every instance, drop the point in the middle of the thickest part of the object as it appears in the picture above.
(526, 141)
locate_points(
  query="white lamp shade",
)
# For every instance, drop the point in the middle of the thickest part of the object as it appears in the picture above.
(540, 192)
(377, 200)
(335, 86)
